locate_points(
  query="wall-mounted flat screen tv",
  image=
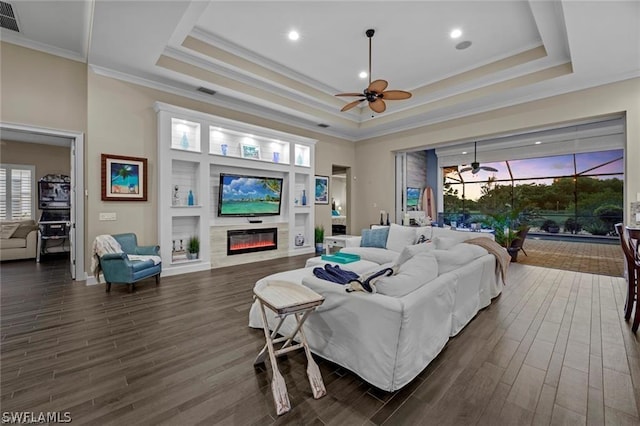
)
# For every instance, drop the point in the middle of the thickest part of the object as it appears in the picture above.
(413, 196)
(242, 195)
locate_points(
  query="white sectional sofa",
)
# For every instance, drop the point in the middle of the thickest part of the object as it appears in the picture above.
(389, 337)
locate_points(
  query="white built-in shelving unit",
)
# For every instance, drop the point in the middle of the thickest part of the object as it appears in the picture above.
(193, 149)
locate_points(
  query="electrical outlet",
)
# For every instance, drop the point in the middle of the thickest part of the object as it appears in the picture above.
(108, 216)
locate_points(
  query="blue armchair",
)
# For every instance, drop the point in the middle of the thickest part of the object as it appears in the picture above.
(118, 268)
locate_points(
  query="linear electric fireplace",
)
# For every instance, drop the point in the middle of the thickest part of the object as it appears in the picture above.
(251, 240)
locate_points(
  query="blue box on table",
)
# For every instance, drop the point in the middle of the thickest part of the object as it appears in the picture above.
(341, 257)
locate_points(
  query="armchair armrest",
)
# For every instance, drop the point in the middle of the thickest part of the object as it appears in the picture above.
(114, 256)
(148, 250)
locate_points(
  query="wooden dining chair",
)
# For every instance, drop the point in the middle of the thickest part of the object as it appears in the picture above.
(633, 274)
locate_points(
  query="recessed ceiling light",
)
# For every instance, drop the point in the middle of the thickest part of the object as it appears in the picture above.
(293, 35)
(463, 45)
(363, 74)
(455, 33)
(464, 152)
(538, 142)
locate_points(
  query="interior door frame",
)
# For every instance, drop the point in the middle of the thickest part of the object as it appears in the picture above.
(76, 237)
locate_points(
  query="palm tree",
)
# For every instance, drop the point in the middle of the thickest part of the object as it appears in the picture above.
(123, 172)
(272, 185)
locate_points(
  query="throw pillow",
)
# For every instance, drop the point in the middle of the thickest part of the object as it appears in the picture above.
(423, 233)
(7, 230)
(422, 239)
(460, 255)
(409, 251)
(374, 237)
(400, 237)
(445, 243)
(413, 274)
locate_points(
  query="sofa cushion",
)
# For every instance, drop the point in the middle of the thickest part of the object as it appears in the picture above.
(374, 237)
(457, 256)
(412, 274)
(400, 237)
(372, 254)
(409, 251)
(8, 229)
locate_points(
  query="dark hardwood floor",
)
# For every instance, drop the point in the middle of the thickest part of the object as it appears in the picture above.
(552, 349)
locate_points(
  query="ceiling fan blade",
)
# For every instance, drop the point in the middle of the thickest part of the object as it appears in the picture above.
(489, 169)
(350, 105)
(466, 169)
(377, 86)
(395, 95)
(378, 105)
(349, 94)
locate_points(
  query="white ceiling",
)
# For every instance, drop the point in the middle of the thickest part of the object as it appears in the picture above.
(521, 51)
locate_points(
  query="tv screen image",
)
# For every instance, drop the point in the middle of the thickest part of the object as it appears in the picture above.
(413, 196)
(249, 195)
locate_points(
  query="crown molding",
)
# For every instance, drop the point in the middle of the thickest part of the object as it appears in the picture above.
(244, 78)
(9, 37)
(225, 102)
(422, 120)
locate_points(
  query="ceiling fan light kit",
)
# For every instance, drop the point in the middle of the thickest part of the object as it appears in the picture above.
(375, 93)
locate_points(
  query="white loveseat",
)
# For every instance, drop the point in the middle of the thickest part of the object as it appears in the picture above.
(18, 240)
(388, 339)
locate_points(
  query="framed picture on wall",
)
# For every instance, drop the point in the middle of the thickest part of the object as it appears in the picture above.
(250, 151)
(322, 190)
(123, 178)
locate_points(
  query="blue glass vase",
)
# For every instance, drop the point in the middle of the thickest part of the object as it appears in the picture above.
(185, 141)
(190, 200)
(304, 197)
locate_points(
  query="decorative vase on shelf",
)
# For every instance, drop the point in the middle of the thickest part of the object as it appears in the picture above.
(176, 197)
(299, 160)
(185, 141)
(304, 197)
(190, 200)
(388, 223)
(299, 241)
(224, 148)
(381, 218)
(276, 157)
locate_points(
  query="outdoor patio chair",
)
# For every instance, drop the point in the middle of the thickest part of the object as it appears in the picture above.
(633, 274)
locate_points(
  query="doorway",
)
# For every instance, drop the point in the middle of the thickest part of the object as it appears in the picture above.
(74, 141)
(340, 188)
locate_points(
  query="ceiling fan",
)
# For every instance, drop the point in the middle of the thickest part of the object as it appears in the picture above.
(475, 166)
(375, 93)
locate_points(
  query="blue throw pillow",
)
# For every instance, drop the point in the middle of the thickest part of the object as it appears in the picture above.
(374, 237)
(335, 213)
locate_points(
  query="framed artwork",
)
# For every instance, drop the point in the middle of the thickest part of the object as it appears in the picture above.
(250, 151)
(123, 178)
(322, 189)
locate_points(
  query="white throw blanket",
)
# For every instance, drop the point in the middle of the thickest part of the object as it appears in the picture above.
(104, 244)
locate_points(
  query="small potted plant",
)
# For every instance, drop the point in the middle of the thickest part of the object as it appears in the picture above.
(193, 248)
(319, 239)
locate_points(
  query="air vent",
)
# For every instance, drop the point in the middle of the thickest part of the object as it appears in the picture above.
(324, 126)
(207, 91)
(7, 17)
